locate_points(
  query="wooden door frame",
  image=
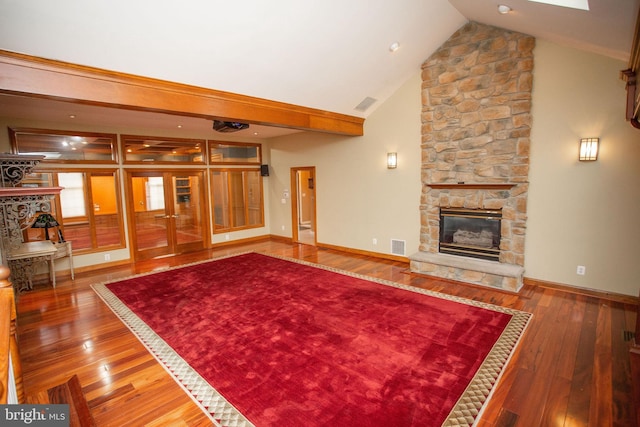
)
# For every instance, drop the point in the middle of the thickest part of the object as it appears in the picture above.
(204, 202)
(294, 203)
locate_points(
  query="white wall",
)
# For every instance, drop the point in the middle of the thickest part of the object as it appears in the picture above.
(357, 197)
(582, 213)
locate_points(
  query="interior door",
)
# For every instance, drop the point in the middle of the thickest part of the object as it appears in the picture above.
(167, 215)
(303, 204)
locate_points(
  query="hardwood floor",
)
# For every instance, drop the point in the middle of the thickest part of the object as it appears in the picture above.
(571, 367)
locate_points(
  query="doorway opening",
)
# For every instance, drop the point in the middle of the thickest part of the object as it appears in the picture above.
(166, 213)
(303, 204)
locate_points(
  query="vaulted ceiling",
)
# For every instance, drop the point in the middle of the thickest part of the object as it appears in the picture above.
(329, 55)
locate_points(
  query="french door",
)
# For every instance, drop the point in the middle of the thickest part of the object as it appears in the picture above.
(167, 212)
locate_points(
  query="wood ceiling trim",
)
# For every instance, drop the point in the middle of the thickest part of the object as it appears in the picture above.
(630, 76)
(44, 78)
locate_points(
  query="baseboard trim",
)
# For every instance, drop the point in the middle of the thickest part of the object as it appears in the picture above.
(280, 238)
(101, 266)
(610, 296)
(363, 252)
(241, 241)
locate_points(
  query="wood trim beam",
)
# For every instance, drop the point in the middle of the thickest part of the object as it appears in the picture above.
(44, 78)
(630, 76)
(477, 186)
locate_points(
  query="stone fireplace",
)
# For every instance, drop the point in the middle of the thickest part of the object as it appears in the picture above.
(476, 124)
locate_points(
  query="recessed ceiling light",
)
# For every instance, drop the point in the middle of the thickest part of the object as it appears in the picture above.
(72, 116)
(394, 46)
(179, 126)
(503, 9)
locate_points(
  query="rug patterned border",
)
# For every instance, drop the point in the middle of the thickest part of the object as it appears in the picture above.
(466, 412)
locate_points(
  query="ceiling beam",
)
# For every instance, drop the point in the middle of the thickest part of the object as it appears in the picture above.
(630, 76)
(31, 76)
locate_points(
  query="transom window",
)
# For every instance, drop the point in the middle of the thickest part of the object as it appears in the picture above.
(65, 146)
(161, 150)
(238, 153)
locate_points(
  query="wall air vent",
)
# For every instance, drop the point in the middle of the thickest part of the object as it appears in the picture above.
(365, 104)
(398, 247)
(227, 127)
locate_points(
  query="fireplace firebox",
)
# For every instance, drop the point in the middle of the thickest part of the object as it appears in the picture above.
(472, 233)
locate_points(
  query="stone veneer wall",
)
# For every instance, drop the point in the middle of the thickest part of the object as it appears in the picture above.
(476, 123)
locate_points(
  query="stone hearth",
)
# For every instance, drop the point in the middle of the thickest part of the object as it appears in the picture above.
(476, 124)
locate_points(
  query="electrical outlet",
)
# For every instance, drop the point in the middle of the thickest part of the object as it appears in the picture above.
(581, 270)
(375, 241)
(226, 237)
(107, 257)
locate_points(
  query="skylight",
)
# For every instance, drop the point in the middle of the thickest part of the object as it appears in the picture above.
(574, 4)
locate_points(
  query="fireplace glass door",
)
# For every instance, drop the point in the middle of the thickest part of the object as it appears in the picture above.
(472, 233)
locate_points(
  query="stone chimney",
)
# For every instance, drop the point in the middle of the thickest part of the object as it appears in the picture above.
(476, 123)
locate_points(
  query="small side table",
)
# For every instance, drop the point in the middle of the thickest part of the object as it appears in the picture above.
(63, 249)
(24, 259)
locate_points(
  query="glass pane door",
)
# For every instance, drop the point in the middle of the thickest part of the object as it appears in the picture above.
(151, 219)
(187, 211)
(237, 198)
(168, 213)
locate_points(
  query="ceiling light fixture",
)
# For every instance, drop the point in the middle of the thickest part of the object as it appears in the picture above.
(394, 46)
(503, 9)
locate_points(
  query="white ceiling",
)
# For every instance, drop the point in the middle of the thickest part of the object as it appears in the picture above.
(328, 54)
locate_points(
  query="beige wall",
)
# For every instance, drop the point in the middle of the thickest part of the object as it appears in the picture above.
(582, 213)
(570, 214)
(571, 220)
(358, 199)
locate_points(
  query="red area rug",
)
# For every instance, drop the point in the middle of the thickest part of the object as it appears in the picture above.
(265, 341)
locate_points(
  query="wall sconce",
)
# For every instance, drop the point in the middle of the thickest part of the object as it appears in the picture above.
(392, 160)
(588, 149)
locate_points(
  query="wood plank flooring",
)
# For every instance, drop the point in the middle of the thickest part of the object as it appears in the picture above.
(571, 367)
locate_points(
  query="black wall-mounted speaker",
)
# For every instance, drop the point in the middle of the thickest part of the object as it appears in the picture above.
(264, 170)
